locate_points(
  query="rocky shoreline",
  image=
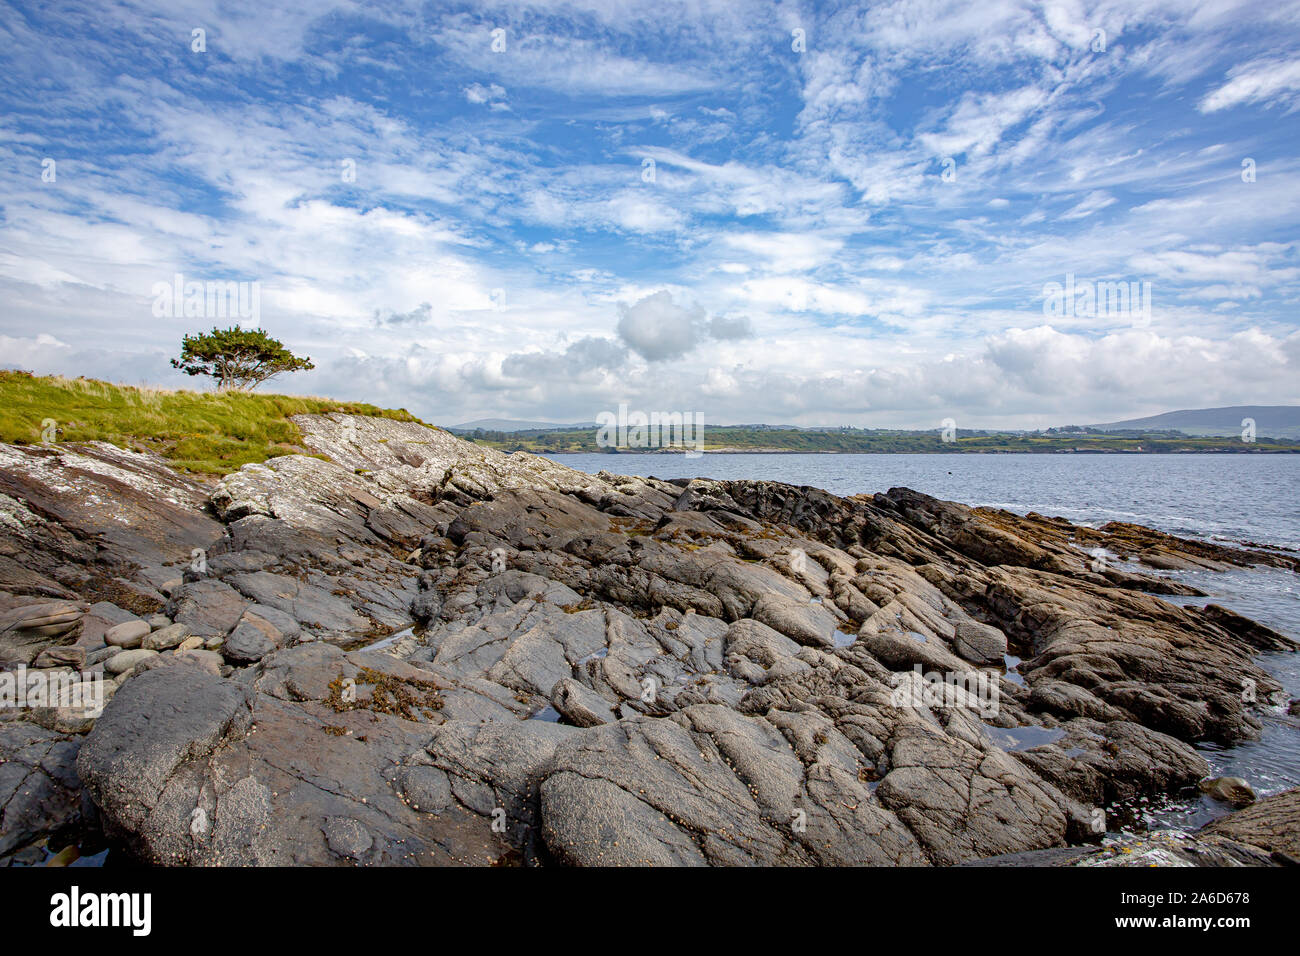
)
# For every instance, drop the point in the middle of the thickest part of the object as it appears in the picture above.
(415, 650)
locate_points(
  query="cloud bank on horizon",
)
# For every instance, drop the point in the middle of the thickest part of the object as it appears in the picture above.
(1006, 213)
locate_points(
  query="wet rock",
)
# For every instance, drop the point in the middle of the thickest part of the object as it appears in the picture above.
(40, 792)
(1103, 763)
(1233, 790)
(1272, 823)
(1159, 848)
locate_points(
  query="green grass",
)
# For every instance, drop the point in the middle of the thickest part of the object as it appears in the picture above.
(210, 433)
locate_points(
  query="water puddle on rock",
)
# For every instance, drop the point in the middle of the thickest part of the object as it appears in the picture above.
(1011, 662)
(68, 857)
(1022, 738)
(548, 714)
(379, 643)
(917, 636)
(843, 639)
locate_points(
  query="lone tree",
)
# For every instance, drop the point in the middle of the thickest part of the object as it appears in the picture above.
(240, 359)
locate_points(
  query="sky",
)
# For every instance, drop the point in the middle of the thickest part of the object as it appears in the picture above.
(803, 213)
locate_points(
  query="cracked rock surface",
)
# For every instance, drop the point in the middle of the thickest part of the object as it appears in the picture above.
(421, 651)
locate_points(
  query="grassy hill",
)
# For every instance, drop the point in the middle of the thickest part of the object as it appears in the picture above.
(201, 432)
(1272, 421)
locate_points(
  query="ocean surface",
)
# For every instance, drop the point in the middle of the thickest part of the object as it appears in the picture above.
(1230, 499)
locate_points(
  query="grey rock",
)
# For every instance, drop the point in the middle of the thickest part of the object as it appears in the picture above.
(763, 740)
(273, 618)
(426, 789)
(40, 792)
(99, 618)
(208, 661)
(176, 748)
(210, 608)
(154, 726)
(306, 603)
(74, 657)
(1272, 823)
(246, 644)
(980, 643)
(580, 705)
(27, 630)
(125, 661)
(346, 837)
(166, 638)
(129, 635)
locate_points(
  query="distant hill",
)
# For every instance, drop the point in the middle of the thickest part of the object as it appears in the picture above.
(511, 425)
(1271, 421)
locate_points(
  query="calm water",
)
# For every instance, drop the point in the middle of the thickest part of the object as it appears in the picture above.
(1223, 498)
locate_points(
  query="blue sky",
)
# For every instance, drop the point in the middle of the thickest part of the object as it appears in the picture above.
(853, 229)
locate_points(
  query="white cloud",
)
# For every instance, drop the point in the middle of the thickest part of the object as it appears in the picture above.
(1276, 82)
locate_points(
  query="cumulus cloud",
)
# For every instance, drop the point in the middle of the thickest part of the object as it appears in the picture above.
(585, 358)
(657, 328)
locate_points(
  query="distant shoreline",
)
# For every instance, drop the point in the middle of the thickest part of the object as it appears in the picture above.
(954, 451)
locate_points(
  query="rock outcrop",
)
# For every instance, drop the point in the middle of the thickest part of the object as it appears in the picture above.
(415, 650)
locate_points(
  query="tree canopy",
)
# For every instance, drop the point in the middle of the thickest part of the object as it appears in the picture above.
(237, 358)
